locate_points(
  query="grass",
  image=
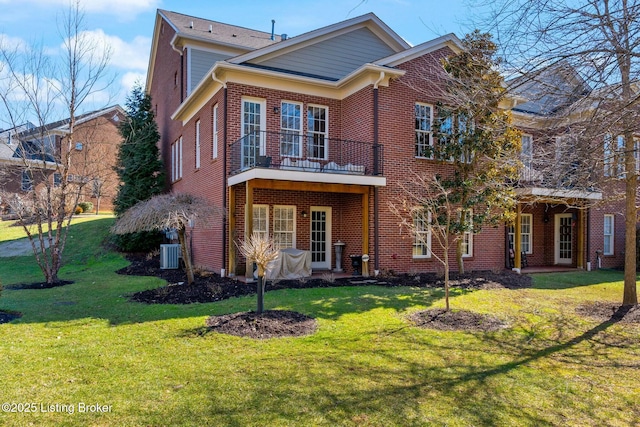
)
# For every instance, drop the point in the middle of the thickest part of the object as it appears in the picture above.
(365, 366)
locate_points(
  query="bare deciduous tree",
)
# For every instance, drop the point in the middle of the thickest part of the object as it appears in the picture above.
(169, 211)
(262, 250)
(43, 89)
(600, 40)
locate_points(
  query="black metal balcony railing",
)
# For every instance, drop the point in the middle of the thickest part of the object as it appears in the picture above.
(305, 153)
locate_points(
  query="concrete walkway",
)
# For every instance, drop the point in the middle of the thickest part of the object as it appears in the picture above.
(19, 247)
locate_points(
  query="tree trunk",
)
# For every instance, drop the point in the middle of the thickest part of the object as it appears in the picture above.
(630, 295)
(446, 279)
(260, 289)
(185, 255)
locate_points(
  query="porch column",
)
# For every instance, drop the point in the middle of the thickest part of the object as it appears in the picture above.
(365, 222)
(248, 223)
(517, 238)
(231, 212)
(581, 238)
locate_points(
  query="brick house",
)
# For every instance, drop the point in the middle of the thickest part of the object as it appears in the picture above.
(307, 139)
(30, 154)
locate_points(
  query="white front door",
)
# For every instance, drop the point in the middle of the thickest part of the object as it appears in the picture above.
(564, 238)
(320, 238)
(253, 126)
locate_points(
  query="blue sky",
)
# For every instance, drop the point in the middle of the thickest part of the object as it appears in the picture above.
(127, 25)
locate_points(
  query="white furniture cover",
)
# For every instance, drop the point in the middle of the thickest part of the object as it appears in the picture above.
(290, 264)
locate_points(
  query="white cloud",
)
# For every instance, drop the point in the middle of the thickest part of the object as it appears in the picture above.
(127, 56)
(10, 42)
(125, 10)
(129, 80)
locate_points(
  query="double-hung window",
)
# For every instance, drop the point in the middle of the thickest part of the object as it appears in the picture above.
(261, 220)
(467, 236)
(317, 132)
(526, 154)
(291, 129)
(608, 234)
(284, 226)
(423, 128)
(214, 134)
(421, 234)
(176, 160)
(198, 144)
(26, 183)
(526, 234)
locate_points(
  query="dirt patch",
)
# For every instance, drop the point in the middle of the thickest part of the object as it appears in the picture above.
(269, 324)
(457, 320)
(606, 311)
(8, 316)
(39, 285)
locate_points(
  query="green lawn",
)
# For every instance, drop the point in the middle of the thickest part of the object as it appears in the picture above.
(85, 344)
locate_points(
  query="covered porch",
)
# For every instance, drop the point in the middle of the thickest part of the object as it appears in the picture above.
(551, 230)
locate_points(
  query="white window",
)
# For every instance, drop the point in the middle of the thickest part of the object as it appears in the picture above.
(27, 180)
(214, 148)
(423, 125)
(422, 234)
(317, 132)
(291, 129)
(254, 123)
(198, 144)
(526, 155)
(284, 226)
(636, 154)
(261, 220)
(467, 237)
(613, 156)
(608, 159)
(608, 234)
(526, 234)
(176, 160)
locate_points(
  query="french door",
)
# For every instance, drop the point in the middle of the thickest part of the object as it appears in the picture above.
(320, 237)
(253, 125)
(564, 239)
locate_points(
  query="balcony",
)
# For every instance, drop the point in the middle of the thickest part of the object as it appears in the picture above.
(308, 158)
(556, 181)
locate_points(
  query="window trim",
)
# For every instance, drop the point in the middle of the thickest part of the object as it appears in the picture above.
(266, 210)
(293, 232)
(526, 158)
(292, 131)
(512, 236)
(429, 132)
(26, 180)
(310, 133)
(214, 133)
(197, 144)
(417, 240)
(467, 237)
(610, 237)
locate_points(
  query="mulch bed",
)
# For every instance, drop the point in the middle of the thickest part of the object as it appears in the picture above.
(269, 324)
(209, 287)
(8, 316)
(457, 320)
(606, 311)
(39, 285)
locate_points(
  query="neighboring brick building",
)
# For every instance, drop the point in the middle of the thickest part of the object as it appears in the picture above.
(308, 138)
(33, 154)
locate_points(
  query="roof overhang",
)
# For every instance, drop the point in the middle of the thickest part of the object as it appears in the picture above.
(557, 194)
(224, 72)
(297, 176)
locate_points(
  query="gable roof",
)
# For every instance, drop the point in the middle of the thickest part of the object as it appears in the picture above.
(369, 21)
(548, 91)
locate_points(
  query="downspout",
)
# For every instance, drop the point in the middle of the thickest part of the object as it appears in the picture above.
(181, 52)
(376, 171)
(224, 169)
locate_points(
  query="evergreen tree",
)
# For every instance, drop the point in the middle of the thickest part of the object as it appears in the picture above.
(139, 166)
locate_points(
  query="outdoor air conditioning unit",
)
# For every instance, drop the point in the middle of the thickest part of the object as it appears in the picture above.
(169, 255)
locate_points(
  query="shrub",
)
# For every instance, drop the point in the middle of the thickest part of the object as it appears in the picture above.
(86, 206)
(78, 210)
